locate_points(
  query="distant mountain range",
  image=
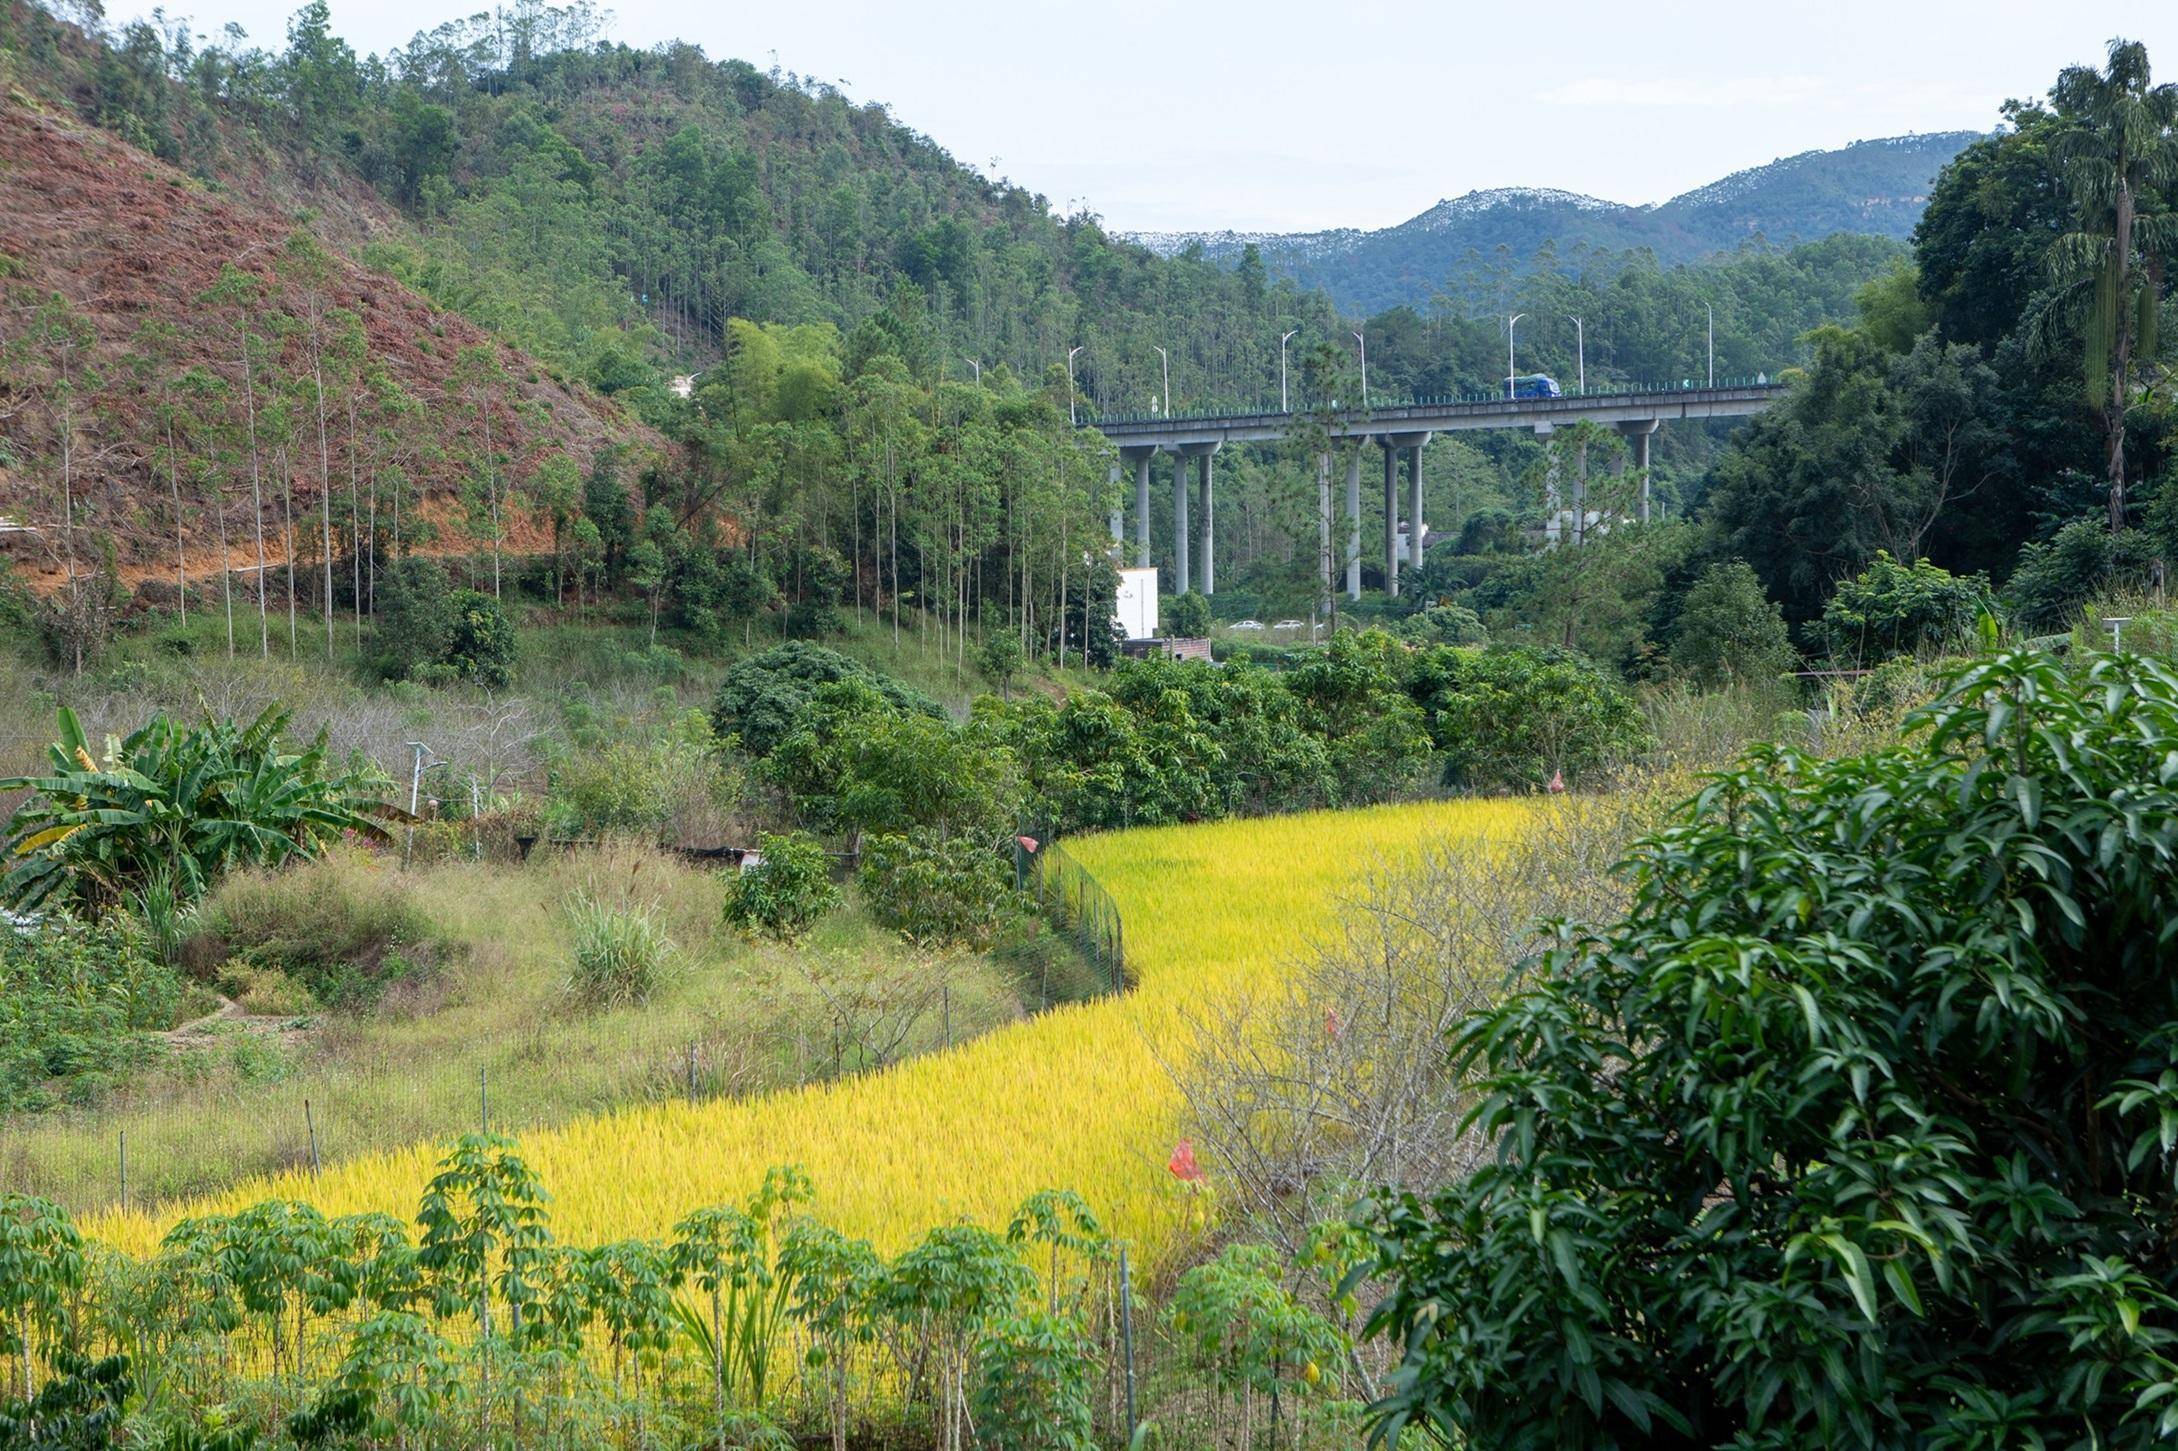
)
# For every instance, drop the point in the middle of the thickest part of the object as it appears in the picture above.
(1874, 187)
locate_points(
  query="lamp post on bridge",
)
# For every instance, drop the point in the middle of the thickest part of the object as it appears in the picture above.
(1165, 399)
(1511, 372)
(1580, 351)
(1070, 415)
(1364, 370)
(1283, 405)
(1711, 313)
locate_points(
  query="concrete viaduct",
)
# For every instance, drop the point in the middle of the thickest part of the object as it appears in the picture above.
(1400, 430)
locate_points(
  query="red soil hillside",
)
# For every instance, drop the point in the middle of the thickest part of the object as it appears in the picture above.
(128, 241)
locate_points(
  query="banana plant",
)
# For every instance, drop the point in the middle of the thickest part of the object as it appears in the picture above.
(169, 809)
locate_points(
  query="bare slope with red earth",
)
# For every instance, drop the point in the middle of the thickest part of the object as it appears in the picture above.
(128, 240)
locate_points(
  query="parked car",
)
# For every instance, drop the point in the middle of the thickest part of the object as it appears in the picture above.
(1247, 624)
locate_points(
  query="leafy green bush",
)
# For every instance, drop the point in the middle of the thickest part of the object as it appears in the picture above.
(1729, 630)
(1187, 616)
(2053, 578)
(176, 806)
(635, 782)
(762, 698)
(859, 763)
(1444, 625)
(480, 648)
(955, 891)
(789, 887)
(1518, 716)
(76, 1001)
(620, 953)
(1895, 609)
(414, 619)
(344, 927)
(1033, 1384)
(1893, 1163)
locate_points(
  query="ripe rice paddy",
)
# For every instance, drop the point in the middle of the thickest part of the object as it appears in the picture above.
(1078, 1098)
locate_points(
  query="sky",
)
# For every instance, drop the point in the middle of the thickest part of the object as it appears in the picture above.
(1298, 115)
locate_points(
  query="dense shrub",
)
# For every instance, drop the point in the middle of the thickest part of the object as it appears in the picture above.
(859, 763)
(1729, 630)
(1893, 1163)
(1033, 1383)
(344, 927)
(789, 887)
(1444, 625)
(636, 781)
(2053, 578)
(480, 647)
(414, 618)
(953, 892)
(1895, 609)
(620, 953)
(76, 1001)
(1187, 616)
(762, 698)
(1519, 716)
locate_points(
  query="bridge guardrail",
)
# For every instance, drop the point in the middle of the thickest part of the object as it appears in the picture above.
(1449, 400)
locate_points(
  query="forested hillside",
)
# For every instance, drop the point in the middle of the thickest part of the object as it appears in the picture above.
(1871, 188)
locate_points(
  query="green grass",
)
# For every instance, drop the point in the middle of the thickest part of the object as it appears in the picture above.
(756, 1016)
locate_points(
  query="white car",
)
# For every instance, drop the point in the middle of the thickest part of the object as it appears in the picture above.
(1247, 625)
(1291, 625)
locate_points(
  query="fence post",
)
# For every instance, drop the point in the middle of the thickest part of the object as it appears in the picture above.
(310, 1124)
(483, 1102)
(124, 1168)
(691, 1072)
(1126, 1336)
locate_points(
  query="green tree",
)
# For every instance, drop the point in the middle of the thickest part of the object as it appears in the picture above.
(1729, 629)
(2116, 145)
(414, 626)
(1896, 609)
(1187, 616)
(1890, 1163)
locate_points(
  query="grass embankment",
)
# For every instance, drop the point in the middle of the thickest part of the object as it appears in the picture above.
(1078, 1098)
(226, 1102)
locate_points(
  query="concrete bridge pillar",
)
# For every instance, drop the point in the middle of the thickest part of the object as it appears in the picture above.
(1180, 540)
(1414, 504)
(1353, 521)
(1553, 507)
(1207, 499)
(1119, 512)
(1638, 432)
(1323, 533)
(1391, 515)
(1140, 458)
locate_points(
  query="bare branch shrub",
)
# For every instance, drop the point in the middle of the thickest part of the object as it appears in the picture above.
(1339, 1083)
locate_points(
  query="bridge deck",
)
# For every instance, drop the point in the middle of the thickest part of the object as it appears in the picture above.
(1443, 415)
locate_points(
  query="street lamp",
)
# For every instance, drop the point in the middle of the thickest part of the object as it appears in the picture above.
(1364, 370)
(1166, 360)
(1283, 405)
(1511, 372)
(971, 362)
(1070, 417)
(1711, 313)
(1580, 350)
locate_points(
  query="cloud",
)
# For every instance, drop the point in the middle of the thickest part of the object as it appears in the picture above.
(1674, 92)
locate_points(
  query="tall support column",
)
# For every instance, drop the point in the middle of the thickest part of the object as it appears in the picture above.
(1142, 459)
(1119, 512)
(1207, 500)
(1391, 517)
(1180, 540)
(1323, 533)
(1353, 521)
(1637, 433)
(1553, 507)
(1414, 504)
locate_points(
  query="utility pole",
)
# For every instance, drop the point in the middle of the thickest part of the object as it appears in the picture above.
(971, 362)
(1711, 313)
(1070, 417)
(1511, 372)
(1580, 351)
(1165, 401)
(1283, 405)
(1364, 370)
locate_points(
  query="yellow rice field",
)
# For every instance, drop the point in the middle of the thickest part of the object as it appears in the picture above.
(1078, 1098)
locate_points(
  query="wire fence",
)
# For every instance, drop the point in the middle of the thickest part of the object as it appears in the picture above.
(1075, 903)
